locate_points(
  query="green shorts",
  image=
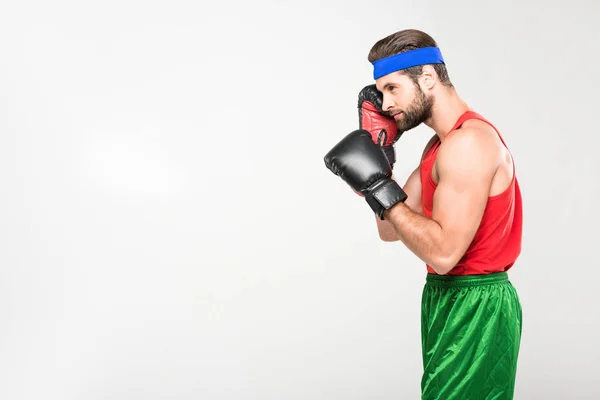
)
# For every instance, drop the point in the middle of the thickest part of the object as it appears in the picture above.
(470, 335)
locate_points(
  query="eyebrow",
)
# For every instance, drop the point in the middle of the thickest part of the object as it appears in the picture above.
(387, 85)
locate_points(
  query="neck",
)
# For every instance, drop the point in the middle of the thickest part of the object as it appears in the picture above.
(448, 107)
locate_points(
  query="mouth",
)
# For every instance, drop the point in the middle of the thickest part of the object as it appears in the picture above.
(397, 115)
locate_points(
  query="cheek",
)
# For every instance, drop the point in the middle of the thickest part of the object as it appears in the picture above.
(408, 98)
(402, 100)
(402, 97)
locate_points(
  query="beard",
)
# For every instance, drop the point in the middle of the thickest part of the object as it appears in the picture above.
(417, 112)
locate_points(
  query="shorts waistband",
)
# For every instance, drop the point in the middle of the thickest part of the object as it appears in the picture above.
(466, 280)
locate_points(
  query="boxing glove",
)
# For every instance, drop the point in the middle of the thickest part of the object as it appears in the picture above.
(371, 117)
(365, 168)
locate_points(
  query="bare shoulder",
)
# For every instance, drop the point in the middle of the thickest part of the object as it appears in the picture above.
(476, 145)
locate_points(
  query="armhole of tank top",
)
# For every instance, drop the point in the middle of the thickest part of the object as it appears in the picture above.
(511, 185)
(506, 191)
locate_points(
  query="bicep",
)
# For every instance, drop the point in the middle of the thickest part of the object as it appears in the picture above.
(458, 208)
(465, 176)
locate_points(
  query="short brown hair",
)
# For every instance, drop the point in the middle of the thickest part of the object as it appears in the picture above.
(405, 40)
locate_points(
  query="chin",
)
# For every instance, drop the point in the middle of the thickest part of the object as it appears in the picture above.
(405, 128)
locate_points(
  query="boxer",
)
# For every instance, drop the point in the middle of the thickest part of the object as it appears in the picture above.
(459, 211)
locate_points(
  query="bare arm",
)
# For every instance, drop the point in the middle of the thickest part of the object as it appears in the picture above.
(412, 188)
(466, 166)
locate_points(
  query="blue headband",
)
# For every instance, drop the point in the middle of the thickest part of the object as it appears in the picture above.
(412, 58)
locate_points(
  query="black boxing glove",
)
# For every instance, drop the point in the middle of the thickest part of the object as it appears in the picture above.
(363, 166)
(383, 128)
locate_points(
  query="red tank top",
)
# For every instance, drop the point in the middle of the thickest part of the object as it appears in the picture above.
(497, 242)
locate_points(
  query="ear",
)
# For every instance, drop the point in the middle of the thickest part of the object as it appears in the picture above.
(428, 77)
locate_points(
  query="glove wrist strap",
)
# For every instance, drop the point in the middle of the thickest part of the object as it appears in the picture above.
(383, 195)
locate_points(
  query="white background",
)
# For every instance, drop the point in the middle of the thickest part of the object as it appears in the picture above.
(168, 229)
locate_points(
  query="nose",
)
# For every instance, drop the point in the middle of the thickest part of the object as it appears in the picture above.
(387, 103)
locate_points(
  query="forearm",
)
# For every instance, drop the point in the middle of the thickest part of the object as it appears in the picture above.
(386, 231)
(422, 235)
(412, 187)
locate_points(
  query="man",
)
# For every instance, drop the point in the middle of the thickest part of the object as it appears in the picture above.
(459, 211)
